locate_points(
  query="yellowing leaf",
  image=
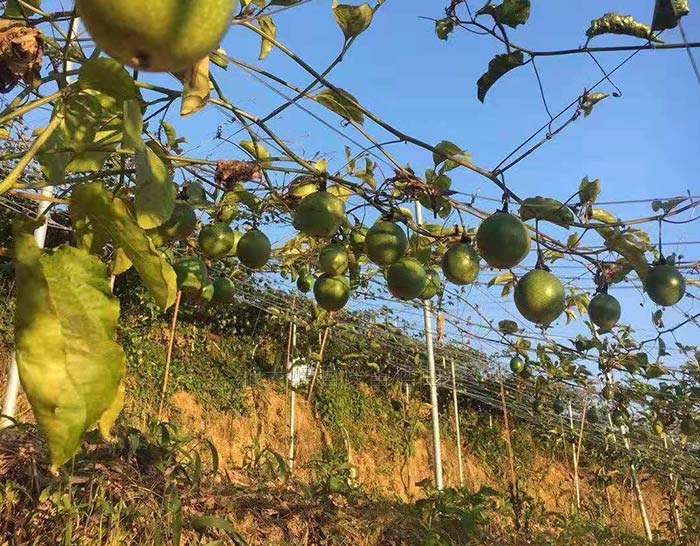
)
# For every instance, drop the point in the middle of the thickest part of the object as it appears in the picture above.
(353, 20)
(602, 215)
(196, 88)
(155, 191)
(66, 319)
(111, 215)
(267, 25)
(614, 23)
(588, 190)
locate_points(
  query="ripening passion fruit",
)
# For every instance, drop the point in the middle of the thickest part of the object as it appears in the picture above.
(385, 243)
(517, 365)
(216, 240)
(158, 35)
(503, 240)
(319, 214)
(333, 259)
(539, 296)
(224, 291)
(665, 285)
(604, 311)
(254, 249)
(433, 284)
(331, 293)
(460, 264)
(406, 278)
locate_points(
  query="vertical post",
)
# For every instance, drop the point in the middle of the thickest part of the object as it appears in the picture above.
(673, 482)
(432, 383)
(457, 429)
(12, 387)
(638, 490)
(292, 395)
(574, 456)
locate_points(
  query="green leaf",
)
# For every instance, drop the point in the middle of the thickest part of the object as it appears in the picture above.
(588, 191)
(666, 206)
(155, 192)
(498, 66)
(196, 88)
(509, 12)
(614, 23)
(667, 13)
(546, 209)
(267, 25)
(443, 28)
(65, 327)
(602, 215)
(445, 149)
(629, 245)
(109, 214)
(353, 20)
(206, 524)
(109, 77)
(14, 9)
(133, 125)
(342, 103)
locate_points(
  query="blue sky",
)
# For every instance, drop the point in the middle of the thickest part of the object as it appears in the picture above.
(642, 145)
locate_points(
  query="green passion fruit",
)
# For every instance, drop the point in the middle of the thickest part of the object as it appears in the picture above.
(539, 296)
(192, 274)
(538, 406)
(503, 240)
(305, 281)
(357, 239)
(517, 365)
(224, 291)
(181, 224)
(433, 284)
(618, 418)
(254, 249)
(592, 416)
(319, 214)
(460, 264)
(608, 392)
(385, 243)
(558, 406)
(333, 259)
(665, 285)
(216, 240)
(331, 292)
(406, 278)
(604, 311)
(158, 35)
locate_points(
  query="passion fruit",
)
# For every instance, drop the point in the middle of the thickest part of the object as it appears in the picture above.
(216, 240)
(224, 291)
(406, 278)
(357, 239)
(319, 214)
(433, 284)
(503, 240)
(618, 418)
(181, 224)
(305, 282)
(608, 392)
(192, 274)
(658, 428)
(517, 365)
(460, 264)
(254, 249)
(158, 35)
(558, 406)
(538, 407)
(665, 285)
(385, 243)
(331, 293)
(688, 426)
(592, 416)
(539, 296)
(333, 259)
(604, 311)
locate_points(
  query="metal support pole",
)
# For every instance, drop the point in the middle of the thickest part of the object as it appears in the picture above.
(432, 383)
(12, 387)
(457, 430)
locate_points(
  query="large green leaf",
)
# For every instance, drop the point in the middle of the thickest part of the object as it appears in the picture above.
(445, 149)
(65, 326)
(155, 191)
(267, 25)
(632, 245)
(508, 12)
(353, 20)
(109, 214)
(498, 66)
(546, 209)
(108, 77)
(342, 103)
(615, 23)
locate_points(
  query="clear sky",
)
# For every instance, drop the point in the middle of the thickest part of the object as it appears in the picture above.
(643, 145)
